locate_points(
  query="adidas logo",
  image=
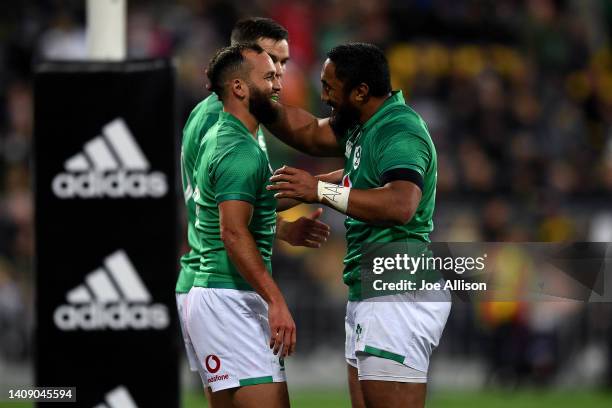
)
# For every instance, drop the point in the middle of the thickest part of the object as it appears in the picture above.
(118, 398)
(113, 297)
(111, 165)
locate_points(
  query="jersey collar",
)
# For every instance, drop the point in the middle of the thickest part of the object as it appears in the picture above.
(395, 99)
(226, 116)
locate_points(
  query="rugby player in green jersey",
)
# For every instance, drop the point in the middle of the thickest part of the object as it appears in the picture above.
(306, 231)
(237, 318)
(387, 191)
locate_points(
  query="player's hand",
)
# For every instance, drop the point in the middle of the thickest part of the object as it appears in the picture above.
(305, 231)
(294, 183)
(282, 328)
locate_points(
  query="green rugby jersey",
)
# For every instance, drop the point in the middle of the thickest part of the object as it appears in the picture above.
(231, 165)
(201, 119)
(395, 137)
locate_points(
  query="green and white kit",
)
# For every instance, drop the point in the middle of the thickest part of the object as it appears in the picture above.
(227, 321)
(203, 117)
(397, 328)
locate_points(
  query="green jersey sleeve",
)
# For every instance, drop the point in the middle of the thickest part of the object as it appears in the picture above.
(239, 174)
(403, 150)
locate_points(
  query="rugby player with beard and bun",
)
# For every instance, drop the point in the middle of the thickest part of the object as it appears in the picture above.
(388, 193)
(237, 318)
(306, 231)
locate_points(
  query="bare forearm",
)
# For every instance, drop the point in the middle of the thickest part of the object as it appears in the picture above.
(392, 204)
(304, 131)
(244, 254)
(332, 177)
(379, 207)
(285, 204)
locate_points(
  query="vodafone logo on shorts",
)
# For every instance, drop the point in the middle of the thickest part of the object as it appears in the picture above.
(213, 363)
(111, 165)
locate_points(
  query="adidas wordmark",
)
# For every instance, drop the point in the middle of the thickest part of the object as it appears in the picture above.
(111, 165)
(114, 298)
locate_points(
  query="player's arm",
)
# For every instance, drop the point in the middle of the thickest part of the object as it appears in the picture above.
(399, 157)
(234, 219)
(285, 204)
(236, 189)
(305, 132)
(305, 231)
(395, 203)
(334, 177)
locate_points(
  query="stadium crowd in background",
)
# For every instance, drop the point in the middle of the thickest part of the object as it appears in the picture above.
(517, 96)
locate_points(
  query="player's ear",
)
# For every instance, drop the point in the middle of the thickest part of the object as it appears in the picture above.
(361, 93)
(239, 88)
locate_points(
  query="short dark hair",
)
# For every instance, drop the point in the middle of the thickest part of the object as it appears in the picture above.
(250, 30)
(361, 63)
(227, 61)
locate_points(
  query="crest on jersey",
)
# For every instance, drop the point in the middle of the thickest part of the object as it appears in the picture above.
(357, 157)
(349, 148)
(346, 181)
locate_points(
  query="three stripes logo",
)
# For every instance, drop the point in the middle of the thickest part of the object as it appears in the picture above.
(111, 165)
(113, 297)
(118, 398)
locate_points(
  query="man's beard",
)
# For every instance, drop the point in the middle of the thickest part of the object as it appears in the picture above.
(261, 106)
(343, 119)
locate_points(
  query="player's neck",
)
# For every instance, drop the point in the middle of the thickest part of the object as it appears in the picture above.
(243, 115)
(371, 107)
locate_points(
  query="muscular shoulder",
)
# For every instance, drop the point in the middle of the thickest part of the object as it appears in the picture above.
(401, 120)
(232, 142)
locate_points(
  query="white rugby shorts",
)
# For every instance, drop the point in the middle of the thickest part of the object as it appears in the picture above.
(404, 328)
(180, 307)
(230, 333)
